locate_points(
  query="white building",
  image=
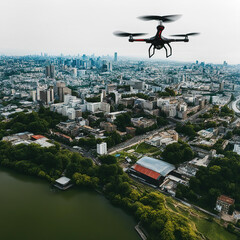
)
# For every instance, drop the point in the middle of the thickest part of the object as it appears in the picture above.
(102, 148)
(98, 106)
(236, 149)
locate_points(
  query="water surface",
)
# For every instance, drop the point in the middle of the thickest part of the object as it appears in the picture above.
(30, 210)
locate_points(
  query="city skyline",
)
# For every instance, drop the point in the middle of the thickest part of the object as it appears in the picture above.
(55, 27)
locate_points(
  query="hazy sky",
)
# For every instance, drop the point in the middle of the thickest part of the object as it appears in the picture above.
(77, 27)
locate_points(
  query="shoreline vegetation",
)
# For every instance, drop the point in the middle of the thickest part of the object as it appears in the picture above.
(147, 206)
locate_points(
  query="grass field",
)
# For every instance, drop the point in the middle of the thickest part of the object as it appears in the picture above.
(210, 229)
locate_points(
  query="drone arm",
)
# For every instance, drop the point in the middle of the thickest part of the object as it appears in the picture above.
(137, 40)
(178, 40)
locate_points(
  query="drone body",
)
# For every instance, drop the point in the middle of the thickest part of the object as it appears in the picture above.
(158, 41)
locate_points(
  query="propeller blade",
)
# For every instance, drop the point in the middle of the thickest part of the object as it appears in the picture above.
(186, 35)
(166, 18)
(126, 34)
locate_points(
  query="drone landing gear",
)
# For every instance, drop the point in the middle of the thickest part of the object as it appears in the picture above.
(168, 55)
(153, 51)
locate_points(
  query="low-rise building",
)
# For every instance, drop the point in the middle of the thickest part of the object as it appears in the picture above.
(151, 170)
(131, 131)
(142, 122)
(223, 203)
(107, 126)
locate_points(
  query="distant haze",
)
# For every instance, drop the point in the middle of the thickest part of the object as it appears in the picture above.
(78, 27)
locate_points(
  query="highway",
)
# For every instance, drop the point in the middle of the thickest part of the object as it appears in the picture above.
(233, 106)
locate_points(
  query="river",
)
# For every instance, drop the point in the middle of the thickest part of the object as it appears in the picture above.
(30, 210)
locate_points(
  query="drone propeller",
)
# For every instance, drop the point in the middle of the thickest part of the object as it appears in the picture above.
(166, 18)
(126, 34)
(186, 35)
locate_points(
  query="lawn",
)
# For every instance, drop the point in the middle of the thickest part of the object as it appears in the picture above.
(144, 148)
(210, 229)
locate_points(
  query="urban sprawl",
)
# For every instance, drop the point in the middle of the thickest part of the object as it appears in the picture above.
(172, 126)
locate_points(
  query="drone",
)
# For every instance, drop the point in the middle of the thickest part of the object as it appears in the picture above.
(158, 41)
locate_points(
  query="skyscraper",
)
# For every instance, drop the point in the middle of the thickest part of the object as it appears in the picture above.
(115, 57)
(50, 71)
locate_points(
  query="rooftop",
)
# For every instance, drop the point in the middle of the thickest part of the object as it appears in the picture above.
(156, 165)
(36, 137)
(63, 180)
(226, 199)
(146, 171)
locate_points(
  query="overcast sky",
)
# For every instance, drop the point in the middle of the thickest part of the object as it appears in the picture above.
(78, 27)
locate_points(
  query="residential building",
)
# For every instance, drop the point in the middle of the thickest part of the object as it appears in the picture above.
(223, 203)
(107, 126)
(102, 148)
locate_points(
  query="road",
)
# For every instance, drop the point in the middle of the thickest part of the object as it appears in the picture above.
(138, 139)
(193, 117)
(233, 106)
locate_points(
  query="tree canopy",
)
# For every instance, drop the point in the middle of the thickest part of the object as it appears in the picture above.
(177, 153)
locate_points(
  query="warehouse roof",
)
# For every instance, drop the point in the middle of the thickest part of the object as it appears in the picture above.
(156, 165)
(146, 171)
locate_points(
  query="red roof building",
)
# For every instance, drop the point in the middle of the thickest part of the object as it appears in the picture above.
(148, 172)
(223, 203)
(36, 137)
(226, 199)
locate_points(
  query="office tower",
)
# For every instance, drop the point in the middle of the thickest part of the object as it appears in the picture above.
(62, 90)
(78, 63)
(110, 66)
(50, 71)
(104, 66)
(47, 96)
(115, 57)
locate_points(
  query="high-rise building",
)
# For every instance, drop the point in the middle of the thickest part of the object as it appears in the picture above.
(62, 90)
(102, 148)
(47, 96)
(74, 72)
(115, 57)
(110, 66)
(50, 71)
(33, 95)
